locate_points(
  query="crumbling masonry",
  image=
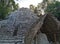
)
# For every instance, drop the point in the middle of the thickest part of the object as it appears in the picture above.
(25, 27)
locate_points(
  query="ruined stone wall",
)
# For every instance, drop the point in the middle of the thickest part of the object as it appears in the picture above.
(41, 38)
(33, 31)
(51, 27)
(17, 25)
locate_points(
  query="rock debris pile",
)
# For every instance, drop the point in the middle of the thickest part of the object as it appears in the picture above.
(18, 22)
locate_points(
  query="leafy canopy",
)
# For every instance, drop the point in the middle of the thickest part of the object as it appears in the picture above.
(6, 7)
(54, 8)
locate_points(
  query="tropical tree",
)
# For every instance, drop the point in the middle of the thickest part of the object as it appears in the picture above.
(32, 7)
(54, 8)
(7, 6)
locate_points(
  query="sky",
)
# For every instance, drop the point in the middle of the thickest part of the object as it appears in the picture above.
(26, 3)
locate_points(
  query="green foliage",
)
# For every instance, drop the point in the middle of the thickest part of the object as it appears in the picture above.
(54, 8)
(6, 7)
(32, 7)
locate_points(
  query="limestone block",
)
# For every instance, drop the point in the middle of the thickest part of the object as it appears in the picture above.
(42, 39)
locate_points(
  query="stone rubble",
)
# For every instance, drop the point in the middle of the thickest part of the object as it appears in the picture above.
(21, 20)
(42, 39)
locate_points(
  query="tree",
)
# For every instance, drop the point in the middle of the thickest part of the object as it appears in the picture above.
(32, 7)
(35, 10)
(6, 7)
(54, 8)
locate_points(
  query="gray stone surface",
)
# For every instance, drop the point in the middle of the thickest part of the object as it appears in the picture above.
(7, 43)
(21, 21)
(54, 42)
(15, 27)
(42, 39)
